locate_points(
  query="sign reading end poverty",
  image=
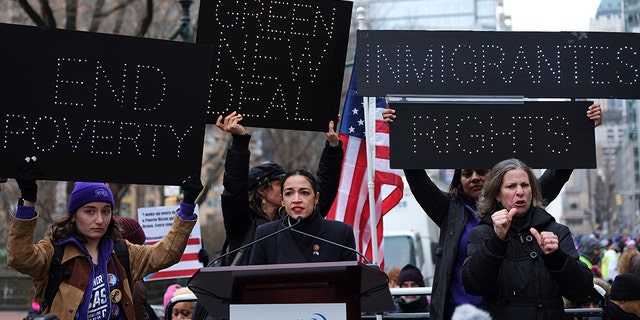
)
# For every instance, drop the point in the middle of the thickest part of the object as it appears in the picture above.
(156, 223)
(541, 134)
(278, 63)
(99, 107)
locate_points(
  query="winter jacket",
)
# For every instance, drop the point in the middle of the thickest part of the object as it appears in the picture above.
(446, 211)
(515, 279)
(240, 220)
(293, 247)
(35, 259)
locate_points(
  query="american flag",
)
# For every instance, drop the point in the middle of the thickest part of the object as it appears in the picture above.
(352, 202)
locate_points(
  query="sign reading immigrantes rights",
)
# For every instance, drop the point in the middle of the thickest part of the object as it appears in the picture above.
(542, 134)
(100, 107)
(529, 64)
(278, 63)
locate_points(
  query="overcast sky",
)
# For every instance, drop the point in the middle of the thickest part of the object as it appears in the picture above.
(551, 15)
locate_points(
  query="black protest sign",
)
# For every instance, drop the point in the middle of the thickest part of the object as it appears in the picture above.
(99, 107)
(278, 63)
(542, 134)
(530, 64)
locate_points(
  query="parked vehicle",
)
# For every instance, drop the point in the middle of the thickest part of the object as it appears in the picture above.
(410, 236)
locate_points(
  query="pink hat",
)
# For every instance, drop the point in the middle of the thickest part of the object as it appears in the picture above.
(169, 293)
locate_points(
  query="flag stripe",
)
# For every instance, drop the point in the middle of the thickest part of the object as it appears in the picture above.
(352, 201)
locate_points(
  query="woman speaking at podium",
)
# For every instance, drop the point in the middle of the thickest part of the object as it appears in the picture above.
(303, 235)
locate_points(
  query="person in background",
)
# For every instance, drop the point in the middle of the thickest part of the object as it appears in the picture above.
(132, 232)
(455, 214)
(630, 260)
(609, 263)
(300, 200)
(597, 299)
(393, 274)
(87, 234)
(521, 261)
(168, 294)
(184, 309)
(590, 250)
(411, 277)
(252, 197)
(624, 301)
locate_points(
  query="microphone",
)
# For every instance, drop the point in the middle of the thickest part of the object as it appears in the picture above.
(298, 220)
(337, 245)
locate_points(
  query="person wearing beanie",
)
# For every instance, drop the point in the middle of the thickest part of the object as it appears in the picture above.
(168, 294)
(624, 300)
(181, 309)
(411, 277)
(98, 286)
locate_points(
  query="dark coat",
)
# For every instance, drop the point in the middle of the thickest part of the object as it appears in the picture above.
(515, 279)
(292, 247)
(445, 211)
(240, 220)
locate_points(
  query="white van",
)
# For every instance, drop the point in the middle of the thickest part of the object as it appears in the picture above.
(410, 236)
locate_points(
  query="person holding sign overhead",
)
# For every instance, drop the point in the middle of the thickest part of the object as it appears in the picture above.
(521, 261)
(252, 197)
(456, 215)
(311, 238)
(97, 286)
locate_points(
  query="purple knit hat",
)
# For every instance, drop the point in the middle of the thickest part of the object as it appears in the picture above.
(85, 192)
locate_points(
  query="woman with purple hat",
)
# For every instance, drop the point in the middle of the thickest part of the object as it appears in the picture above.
(97, 286)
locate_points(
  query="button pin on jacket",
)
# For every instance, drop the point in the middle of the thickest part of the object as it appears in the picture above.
(316, 250)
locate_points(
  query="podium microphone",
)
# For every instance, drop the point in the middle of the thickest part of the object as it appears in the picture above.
(298, 220)
(337, 245)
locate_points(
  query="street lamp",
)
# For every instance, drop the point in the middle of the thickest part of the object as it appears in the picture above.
(184, 30)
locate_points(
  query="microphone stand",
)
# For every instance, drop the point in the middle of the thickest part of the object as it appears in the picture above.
(338, 245)
(298, 220)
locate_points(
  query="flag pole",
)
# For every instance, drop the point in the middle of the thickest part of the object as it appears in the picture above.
(369, 105)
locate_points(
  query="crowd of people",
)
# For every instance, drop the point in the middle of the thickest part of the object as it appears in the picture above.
(501, 255)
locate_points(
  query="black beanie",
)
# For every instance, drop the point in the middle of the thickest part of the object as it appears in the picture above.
(410, 272)
(625, 287)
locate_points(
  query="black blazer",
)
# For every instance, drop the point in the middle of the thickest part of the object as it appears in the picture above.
(292, 247)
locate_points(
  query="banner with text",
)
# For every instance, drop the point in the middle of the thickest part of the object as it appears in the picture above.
(530, 64)
(101, 107)
(156, 223)
(541, 134)
(278, 63)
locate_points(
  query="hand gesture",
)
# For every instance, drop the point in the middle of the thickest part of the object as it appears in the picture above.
(502, 221)
(332, 135)
(191, 187)
(595, 113)
(231, 123)
(26, 179)
(388, 115)
(547, 240)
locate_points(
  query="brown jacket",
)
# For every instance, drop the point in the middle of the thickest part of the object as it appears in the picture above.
(35, 259)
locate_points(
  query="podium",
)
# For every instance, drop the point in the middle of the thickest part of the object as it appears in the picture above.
(361, 287)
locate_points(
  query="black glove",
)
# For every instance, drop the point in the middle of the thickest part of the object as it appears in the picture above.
(191, 188)
(26, 179)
